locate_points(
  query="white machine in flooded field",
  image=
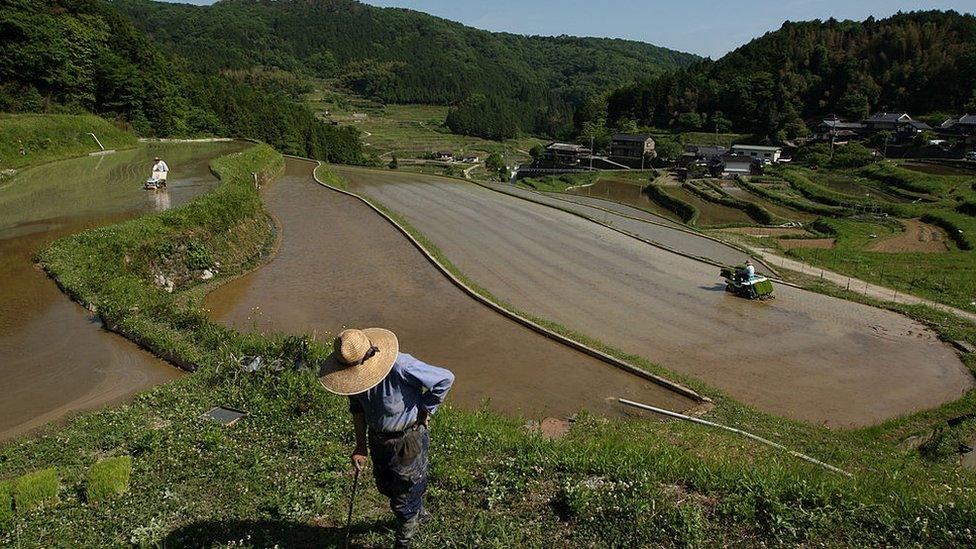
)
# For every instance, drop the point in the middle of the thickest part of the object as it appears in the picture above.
(159, 173)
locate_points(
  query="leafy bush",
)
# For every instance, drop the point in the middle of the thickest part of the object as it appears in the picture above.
(35, 489)
(107, 478)
(687, 212)
(953, 226)
(968, 208)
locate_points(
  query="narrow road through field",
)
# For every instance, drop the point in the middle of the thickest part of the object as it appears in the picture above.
(803, 355)
(342, 265)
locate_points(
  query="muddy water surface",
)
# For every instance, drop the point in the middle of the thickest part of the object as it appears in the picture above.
(625, 192)
(54, 358)
(340, 264)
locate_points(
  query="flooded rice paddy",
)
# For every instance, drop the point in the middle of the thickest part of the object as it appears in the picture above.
(709, 213)
(54, 357)
(625, 192)
(341, 265)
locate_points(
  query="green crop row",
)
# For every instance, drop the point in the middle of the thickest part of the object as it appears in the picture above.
(687, 212)
(755, 211)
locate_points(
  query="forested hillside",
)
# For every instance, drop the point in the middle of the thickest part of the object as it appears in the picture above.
(920, 62)
(404, 56)
(83, 56)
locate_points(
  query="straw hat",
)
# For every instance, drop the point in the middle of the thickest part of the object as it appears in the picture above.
(157, 158)
(360, 361)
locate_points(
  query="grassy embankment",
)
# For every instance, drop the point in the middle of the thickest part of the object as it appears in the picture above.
(938, 200)
(280, 476)
(48, 137)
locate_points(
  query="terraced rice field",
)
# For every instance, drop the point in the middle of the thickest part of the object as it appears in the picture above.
(709, 213)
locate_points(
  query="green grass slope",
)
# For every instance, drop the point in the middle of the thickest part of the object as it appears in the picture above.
(47, 137)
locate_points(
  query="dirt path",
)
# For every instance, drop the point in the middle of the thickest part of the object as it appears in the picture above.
(340, 264)
(803, 355)
(917, 237)
(857, 285)
(54, 357)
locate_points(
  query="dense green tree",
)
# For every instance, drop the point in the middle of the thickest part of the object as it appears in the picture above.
(401, 56)
(82, 55)
(920, 62)
(668, 150)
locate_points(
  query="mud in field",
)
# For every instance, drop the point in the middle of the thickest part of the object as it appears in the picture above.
(917, 237)
(54, 357)
(625, 192)
(807, 243)
(341, 265)
(803, 355)
(631, 221)
(709, 213)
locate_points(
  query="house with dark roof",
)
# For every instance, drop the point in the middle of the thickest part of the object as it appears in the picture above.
(913, 128)
(701, 154)
(568, 154)
(836, 130)
(736, 164)
(631, 149)
(885, 121)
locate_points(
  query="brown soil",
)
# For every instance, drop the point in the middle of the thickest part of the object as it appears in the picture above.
(554, 428)
(766, 231)
(818, 243)
(917, 237)
(54, 357)
(802, 355)
(340, 264)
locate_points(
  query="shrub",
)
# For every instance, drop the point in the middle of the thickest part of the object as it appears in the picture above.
(687, 212)
(108, 478)
(968, 208)
(6, 502)
(35, 489)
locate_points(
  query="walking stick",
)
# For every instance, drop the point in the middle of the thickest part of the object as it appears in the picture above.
(352, 499)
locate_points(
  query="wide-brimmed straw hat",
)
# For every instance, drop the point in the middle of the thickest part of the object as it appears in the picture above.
(360, 361)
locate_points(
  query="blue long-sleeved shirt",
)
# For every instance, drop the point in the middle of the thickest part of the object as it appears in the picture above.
(393, 404)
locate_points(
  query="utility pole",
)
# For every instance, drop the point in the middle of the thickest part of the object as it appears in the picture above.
(591, 153)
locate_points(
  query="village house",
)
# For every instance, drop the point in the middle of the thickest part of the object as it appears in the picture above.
(632, 150)
(833, 129)
(446, 156)
(733, 165)
(701, 154)
(962, 130)
(885, 121)
(566, 154)
(760, 153)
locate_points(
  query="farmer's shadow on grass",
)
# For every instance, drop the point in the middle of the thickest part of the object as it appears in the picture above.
(266, 533)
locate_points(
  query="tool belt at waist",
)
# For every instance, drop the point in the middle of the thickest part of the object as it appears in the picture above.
(393, 434)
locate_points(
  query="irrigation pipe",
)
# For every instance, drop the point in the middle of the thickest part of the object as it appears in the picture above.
(757, 438)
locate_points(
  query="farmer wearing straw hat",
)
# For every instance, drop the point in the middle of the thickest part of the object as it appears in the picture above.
(391, 397)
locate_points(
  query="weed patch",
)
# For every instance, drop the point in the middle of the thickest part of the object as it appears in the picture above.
(36, 489)
(108, 478)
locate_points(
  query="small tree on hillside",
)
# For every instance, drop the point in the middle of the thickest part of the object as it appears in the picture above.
(394, 164)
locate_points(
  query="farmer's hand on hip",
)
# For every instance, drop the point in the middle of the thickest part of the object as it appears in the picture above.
(358, 459)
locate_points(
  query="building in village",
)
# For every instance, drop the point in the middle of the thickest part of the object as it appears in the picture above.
(733, 165)
(833, 129)
(446, 156)
(702, 155)
(632, 150)
(885, 121)
(962, 130)
(760, 153)
(564, 154)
